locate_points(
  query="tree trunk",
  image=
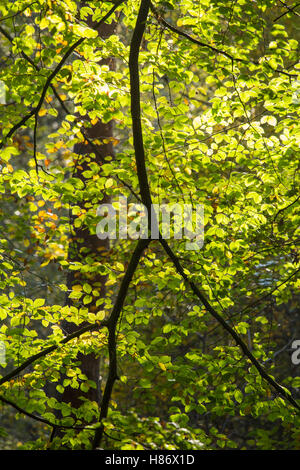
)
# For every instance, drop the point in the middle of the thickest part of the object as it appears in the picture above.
(83, 244)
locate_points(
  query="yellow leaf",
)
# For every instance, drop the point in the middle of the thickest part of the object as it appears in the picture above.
(44, 23)
(77, 287)
(45, 263)
(109, 183)
(101, 315)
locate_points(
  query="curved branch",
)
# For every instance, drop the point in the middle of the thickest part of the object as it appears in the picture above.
(38, 418)
(136, 102)
(36, 67)
(35, 111)
(49, 350)
(261, 370)
(112, 345)
(289, 10)
(146, 196)
(18, 12)
(177, 31)
(146, 199)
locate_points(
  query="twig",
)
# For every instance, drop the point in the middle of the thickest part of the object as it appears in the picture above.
(50, 349)
(289, 10)
(146, 196)
(34, 65)
(112, 345)
(263, 373)
(18, 12)
(212, 48)
(38, 418)
(51, 77)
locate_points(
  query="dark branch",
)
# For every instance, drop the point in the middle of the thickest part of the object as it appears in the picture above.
(35, 111)
(51, 77)
(258, 301)
(18, 12)
(177, 31)
(146, 199)
(146, 196)
(38, 418)
(263, 373)
(36, 67)
(49, 350)
(135, 102)
(286, 207)
(112, 345)
(289, 10)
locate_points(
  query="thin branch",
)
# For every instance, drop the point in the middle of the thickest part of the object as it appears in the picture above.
(36, 110)
(258, 301)
(286, 207)
(51, 77)
(36, 67)
(160, 126)
(289, 10)
(279, 212)
(177, 31)
(146, 196)
(18, 12)
(50, 349)
(112, 344)
(38, 418)
(263, 373)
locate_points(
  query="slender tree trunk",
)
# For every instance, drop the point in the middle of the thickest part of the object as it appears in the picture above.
(83, 244)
